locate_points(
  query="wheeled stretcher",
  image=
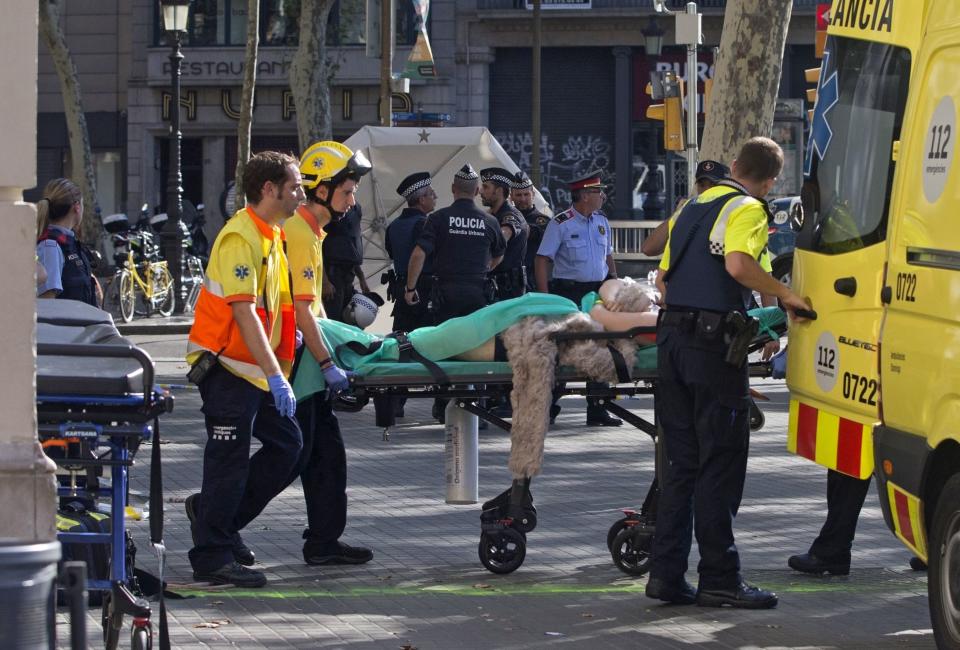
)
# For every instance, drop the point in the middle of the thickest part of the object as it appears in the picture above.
(506, 519)
(96, 404)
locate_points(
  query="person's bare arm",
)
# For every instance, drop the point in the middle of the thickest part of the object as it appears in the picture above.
(608, 292)
(541, 269)
(414, 268)
(748, 272)
(611, 267)
(622, 321)
(656, 241)
(307, 324)
(661, 287)
(507, 233)
(52, 293)
(251, 331)
(494, 262)
(358, 271)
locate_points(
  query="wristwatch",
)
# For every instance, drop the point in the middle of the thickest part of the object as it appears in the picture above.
(409, 290)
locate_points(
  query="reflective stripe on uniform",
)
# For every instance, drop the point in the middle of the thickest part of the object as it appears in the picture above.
(719, 232)
(827, 439)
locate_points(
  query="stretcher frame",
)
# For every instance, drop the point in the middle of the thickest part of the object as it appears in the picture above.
(631, 549)
(108, 429)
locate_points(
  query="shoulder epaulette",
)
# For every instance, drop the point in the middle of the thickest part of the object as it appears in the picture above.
(563, 216)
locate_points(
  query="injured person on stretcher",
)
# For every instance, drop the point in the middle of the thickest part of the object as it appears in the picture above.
(619, 306)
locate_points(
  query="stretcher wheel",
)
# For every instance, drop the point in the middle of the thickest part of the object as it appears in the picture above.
(502, 551)
(346, 403)
(615, 529)
(757, 418)
(112, 622)
(140, 639)
(527, 521)
(632, 548)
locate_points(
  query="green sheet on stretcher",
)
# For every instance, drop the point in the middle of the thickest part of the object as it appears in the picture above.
(456, 336)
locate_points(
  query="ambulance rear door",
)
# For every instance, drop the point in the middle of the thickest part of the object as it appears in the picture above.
(841, 247)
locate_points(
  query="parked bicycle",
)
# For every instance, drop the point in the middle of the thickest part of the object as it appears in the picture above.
(142, 284)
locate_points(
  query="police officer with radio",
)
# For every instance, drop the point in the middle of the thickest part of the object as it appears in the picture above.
(577, 244)
(510, 275)
(466, 244)
(402, 236)
(521, 194)
(715, 258)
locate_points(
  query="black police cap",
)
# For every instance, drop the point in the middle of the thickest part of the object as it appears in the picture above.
(497, 175)
(712, 170)
(467, 173)
(412, 183)
(521, 181)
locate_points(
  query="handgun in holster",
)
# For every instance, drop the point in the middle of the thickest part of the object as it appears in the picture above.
(739, 330)
(390, 280)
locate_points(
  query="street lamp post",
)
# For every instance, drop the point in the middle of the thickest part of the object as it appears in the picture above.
(175, 13)
(689, 33)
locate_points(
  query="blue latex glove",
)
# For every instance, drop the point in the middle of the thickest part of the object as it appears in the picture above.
(299, 343)
(337, 379)
(778, 364)
(283, 397)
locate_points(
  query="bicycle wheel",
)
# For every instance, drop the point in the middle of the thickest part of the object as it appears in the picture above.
(127, 296)
(164, 296)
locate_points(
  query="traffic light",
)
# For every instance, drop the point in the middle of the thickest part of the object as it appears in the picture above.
(668, 87)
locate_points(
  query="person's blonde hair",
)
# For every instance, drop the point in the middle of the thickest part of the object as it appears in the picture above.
(59, 195)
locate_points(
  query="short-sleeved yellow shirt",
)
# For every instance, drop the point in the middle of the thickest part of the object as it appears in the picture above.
(746, 228)
(305, 255)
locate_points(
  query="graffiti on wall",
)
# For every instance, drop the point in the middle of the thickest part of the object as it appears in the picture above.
(561, 161)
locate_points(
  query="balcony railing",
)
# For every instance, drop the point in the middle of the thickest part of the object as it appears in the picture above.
(628, 236)
(499, 5)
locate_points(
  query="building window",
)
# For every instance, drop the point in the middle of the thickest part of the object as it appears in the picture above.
(224, 22)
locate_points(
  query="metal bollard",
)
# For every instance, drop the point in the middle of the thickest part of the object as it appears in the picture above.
(75, 586)
(462, 455)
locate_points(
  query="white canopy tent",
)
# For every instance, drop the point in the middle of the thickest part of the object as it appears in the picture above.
(396, 152)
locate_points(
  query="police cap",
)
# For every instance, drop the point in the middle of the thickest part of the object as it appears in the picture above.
(521, 181)
(712, 171)
(497, 175)
(412, 183)
(590, 180)
(467, 173)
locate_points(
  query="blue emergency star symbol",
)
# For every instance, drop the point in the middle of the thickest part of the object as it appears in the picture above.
(308, 273)
(241, 271)
(828, 94)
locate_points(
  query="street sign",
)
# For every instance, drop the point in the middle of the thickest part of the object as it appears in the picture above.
(562, 4)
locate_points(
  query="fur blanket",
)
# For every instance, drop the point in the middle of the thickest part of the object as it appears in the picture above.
(534, 358)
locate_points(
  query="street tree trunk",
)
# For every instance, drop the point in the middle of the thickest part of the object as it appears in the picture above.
(310, 74)
(80, 157)
(245, 123)
(746, 77)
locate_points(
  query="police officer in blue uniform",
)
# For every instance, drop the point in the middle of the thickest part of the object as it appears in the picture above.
(402, 235)
(466, 244)
(715, 258)
(65, 259)
(521, 194)
(510, 275)
(577, 243)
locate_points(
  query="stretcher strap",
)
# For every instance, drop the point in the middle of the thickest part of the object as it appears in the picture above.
(623, 370)
(406, 353)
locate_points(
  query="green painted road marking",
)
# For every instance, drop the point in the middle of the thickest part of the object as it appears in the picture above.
(888, 586)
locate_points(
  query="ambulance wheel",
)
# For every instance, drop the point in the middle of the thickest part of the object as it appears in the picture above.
(140, 639)
(783, 268)
(943, 576)
(632, 548)
(112, 622)
(615, 529)
(757, 418)
(502, 551)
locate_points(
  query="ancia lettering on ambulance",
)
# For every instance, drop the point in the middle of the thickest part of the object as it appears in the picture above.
(873, 15)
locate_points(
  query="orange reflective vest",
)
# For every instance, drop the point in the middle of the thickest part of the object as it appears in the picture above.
(214, 328)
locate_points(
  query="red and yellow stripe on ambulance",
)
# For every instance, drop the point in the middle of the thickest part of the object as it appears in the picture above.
(907, 514)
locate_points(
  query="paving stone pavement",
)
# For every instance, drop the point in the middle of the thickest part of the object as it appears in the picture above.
(426, 588)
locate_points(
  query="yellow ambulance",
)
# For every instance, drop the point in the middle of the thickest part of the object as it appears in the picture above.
(875, 379)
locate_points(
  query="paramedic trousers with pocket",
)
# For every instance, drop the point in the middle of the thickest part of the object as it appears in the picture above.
(236, 486)
(845, 497)
(703, 405)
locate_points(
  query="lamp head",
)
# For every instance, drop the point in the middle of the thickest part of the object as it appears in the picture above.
(175, 13)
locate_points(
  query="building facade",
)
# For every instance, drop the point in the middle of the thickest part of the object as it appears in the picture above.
(594, 68)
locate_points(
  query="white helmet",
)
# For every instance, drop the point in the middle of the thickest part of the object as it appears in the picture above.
(360, 311)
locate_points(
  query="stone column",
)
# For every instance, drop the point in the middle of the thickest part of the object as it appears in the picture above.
(27, 487)
(623, 153)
